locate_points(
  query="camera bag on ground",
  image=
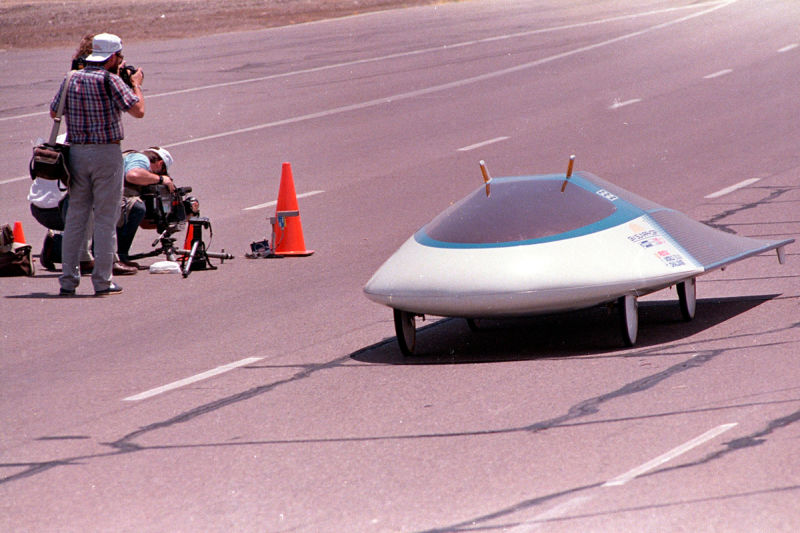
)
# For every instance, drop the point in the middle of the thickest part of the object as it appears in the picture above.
(49, 160)
(51, 250)
(15, 258)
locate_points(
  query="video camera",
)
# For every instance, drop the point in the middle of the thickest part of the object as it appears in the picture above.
(167, 210)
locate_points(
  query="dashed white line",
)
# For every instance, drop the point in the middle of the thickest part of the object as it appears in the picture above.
(787, 48)
(717, 74)
(617, 104)
(482, 144)
(560, 510)
(457, 84)
(445, 47)
(551, 514)
(728, 190)
(672, 454)
(12, 180)
(192, 379)
(275, 202)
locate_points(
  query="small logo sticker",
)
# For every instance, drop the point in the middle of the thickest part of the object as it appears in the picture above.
(607, 195)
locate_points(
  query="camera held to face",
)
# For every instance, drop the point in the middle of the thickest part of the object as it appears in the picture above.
(125, 72)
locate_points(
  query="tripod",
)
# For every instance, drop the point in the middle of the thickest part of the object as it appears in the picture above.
(197, 257)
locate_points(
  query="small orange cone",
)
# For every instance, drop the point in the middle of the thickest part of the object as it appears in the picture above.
(287, 230)
(19, 235)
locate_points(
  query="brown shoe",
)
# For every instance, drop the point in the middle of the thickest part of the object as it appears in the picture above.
(121, 269)
(132, 264)
(87, 267)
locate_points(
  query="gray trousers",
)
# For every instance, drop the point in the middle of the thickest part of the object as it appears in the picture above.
(96, 189)
(53, 218)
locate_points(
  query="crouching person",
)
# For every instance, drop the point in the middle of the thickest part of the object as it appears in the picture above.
(148, 167)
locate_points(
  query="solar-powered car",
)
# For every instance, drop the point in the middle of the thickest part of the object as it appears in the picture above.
(539, 244)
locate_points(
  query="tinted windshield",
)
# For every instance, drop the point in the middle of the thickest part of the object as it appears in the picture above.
(518, 210)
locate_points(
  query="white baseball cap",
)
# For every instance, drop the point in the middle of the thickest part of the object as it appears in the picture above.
(104, 45)
(165, 156)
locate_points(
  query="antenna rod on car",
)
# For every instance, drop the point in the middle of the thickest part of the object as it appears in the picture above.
(487, 179)
(569, 172)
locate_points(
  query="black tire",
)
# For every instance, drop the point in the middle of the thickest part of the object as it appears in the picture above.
(629, 318)
(405, 328)
(687, 294)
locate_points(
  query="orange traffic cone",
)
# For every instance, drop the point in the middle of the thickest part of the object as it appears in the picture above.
(287, 230)
(19, 235)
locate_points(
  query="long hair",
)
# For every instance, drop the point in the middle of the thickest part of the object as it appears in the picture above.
(84, 50)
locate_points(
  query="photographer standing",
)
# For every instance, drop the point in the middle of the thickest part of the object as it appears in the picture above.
(95, 99)
(149, 167)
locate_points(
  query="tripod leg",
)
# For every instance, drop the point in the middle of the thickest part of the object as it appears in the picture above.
(220, 255)
(187, 261)
(169, 250)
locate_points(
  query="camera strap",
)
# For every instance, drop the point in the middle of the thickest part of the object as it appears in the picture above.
(60, 111)
(107, 85)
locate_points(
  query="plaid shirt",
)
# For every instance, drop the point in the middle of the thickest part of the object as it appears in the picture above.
(92, 117)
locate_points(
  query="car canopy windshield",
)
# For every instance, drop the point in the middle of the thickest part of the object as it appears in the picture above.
(518, 209)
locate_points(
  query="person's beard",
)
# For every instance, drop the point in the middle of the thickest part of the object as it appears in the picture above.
(115, 68)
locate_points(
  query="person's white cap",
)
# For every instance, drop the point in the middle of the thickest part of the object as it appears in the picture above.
(165, 156)
(104, 45)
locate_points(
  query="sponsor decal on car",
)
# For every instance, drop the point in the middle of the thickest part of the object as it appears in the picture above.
(652, 240)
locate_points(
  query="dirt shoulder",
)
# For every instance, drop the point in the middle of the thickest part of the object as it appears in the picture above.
(48, 23)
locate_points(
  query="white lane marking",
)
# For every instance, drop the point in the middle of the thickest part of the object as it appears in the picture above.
(26, 115)
(192, 379)
(275, 202)
(728, 190)
(556, 512)
(453, 84)
(617, 104)
(717, 74)
(12, 180)
(675, 452)
(445, 47)
(787, 48)
(482, 144)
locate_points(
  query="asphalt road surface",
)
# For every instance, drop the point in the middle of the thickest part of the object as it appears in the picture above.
(270, 394)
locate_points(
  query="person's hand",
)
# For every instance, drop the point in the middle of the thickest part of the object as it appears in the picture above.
(137, 77)
(168, 182)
